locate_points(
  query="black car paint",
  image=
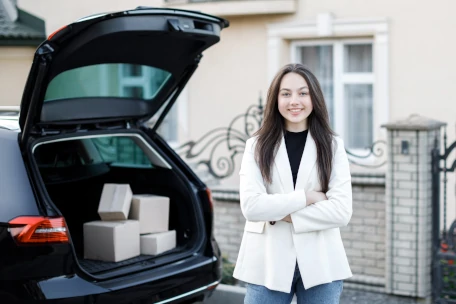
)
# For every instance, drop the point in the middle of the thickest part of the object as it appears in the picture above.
(16, 193)
(150, 287)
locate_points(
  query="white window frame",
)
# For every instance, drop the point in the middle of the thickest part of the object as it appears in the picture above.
(340, 78)
(325, 27)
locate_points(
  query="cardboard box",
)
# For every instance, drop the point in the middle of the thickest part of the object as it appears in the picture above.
(111, 241)
(115, 202)
(152, 212)
(157, 243)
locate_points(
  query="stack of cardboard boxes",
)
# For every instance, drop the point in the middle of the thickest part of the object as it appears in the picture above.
(130, 225)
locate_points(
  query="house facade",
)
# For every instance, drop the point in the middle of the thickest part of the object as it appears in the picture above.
(20, 34)
(377, 61)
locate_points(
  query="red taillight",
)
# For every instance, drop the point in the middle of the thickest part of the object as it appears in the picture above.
(209, 197)
(38, 230)
(57, 31)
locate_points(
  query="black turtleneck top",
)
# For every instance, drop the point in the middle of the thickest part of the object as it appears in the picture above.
(295, 142)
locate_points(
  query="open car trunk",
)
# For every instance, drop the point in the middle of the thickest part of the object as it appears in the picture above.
(74, 171)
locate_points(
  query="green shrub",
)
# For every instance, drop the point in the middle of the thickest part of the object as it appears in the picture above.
(227, 275)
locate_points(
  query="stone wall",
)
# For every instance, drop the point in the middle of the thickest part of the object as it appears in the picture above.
(409, 206)
(228, 227)
(364, 237)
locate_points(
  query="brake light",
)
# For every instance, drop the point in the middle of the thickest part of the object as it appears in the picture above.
(57, 31)
(38, 230)
(209, 197)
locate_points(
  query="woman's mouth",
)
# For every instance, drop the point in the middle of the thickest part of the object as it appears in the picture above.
(295, 111)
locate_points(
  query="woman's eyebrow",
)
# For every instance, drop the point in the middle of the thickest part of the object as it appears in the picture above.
(305, 87)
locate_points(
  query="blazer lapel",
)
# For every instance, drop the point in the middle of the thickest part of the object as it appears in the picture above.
(308, 161)
(283, 167)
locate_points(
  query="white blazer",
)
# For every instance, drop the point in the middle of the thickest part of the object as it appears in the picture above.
(268, 253)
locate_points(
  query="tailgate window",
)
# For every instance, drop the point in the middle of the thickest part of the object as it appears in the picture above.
(122, 80)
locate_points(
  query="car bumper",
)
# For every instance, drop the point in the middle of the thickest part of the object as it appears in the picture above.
(191, 278)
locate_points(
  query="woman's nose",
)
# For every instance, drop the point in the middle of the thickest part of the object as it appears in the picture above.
(294, 99)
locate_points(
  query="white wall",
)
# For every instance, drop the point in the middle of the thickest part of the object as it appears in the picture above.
(14, 68)
(59, 13)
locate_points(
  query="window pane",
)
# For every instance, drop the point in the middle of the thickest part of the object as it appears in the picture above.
(132, 70)
(119, 150)
(358, 122)
(133, 92)
(80, 153)
(156, 79)
(358, 58)
(104, 80)
(319, 59)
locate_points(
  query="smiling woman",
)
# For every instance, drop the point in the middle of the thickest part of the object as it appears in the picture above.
(295, 193)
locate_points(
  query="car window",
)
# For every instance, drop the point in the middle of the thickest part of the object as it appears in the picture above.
(109, 150)
(121, 151)
(121, 80)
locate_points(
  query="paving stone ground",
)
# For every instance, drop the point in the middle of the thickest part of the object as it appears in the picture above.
(351, 296)
(226, 294)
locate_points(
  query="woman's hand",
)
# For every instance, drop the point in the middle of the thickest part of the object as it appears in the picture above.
(312, 198)
(315, 197)
(287, 219)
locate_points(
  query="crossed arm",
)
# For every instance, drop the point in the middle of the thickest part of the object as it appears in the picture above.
(312, 198)
(306, 211)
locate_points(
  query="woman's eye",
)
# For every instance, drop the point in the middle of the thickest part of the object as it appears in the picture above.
(285, 94)
(303, 93)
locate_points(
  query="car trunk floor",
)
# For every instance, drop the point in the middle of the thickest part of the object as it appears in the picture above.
(98, 267)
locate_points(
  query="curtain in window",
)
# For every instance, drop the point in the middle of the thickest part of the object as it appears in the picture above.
(358, 98)
(358, 119)
(358, 58)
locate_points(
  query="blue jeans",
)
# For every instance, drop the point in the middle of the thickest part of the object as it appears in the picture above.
(321, 294)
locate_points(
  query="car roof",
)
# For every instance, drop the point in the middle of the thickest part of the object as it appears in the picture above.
(9, 118)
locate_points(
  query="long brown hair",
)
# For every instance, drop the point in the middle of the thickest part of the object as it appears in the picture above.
(273, 127)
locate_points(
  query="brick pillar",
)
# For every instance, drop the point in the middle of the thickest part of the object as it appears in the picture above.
(409, 206)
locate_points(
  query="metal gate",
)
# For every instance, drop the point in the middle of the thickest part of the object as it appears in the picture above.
(444, 241)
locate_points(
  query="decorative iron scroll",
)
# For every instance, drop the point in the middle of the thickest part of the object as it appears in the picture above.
(376, 151)
(218, 148)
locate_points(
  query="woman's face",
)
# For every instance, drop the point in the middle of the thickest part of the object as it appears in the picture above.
(294, 102)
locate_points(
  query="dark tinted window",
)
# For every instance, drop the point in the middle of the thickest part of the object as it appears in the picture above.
(110, 150)
(108, 80)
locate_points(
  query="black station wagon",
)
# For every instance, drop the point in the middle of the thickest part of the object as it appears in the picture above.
(96, 96)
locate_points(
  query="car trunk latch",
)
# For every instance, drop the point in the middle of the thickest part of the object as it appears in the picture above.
(174, 25)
